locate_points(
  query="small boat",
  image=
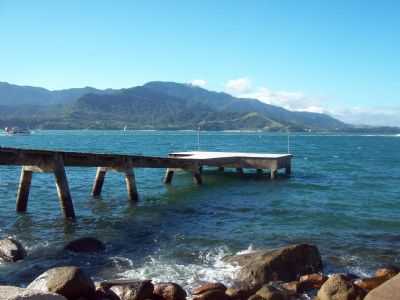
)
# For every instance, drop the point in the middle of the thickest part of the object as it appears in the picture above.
(125, 128)
(16, 130)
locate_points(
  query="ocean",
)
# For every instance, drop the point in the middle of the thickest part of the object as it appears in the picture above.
(343, 196)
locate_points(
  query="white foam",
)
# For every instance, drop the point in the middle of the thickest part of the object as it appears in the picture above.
(211, 268)
(250, 249)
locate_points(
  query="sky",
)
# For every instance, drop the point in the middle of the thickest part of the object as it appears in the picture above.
(340, 57)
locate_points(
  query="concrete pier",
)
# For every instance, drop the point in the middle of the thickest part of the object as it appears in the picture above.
(54, 162)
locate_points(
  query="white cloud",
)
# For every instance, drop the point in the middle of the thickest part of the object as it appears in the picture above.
(291, 100)
(299, 101)
(375, 116)
(238, 86)
(199, 82)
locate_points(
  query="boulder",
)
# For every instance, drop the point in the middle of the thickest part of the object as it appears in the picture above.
(283, 264)
(312, 281)
(16, 293)
(11, 250)
(169, 291)
(129, 289)
(86, 244)
(292, 288)
(269, 292)
(215, 294)
(390, 290)
(210, 291)
(71, 282)
(369, 284)
(387, 271)
(337, 287)
(209, 286)
(236, 294)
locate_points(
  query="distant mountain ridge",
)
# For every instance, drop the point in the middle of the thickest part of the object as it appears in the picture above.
(155, 105)
(15, 95)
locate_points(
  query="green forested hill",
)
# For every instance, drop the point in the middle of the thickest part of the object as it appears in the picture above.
(155, 105)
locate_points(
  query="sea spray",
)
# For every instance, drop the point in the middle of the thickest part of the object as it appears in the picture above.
(210, 268)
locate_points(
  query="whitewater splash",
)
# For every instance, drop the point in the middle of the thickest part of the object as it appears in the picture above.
(209, 268)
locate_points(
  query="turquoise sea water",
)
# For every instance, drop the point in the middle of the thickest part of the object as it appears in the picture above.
(344, 196)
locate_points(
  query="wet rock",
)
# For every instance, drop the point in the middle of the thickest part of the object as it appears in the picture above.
(387, 291)
(283, 264)
(381, 275)
(337, 287)
(105, 294)
(16, 293)
(71, 282)
(369, 284)
(387, 271)
(240, 291)
(312, 281)
(236, 294)
(215, 294)
(169, 291)
(209, 286)
(269, 292)
(86, 244)
(210, 291)
(292, 288)
(129, 289)
(11, 250)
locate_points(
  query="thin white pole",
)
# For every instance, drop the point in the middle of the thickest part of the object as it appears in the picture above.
(198, 138)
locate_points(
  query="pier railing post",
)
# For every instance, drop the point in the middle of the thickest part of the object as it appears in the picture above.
(99, 181)
(23, 190)
(64, 194)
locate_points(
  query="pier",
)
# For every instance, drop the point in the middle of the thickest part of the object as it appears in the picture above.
(47, 161)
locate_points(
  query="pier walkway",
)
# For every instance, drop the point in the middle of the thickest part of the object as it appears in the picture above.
(55, 162)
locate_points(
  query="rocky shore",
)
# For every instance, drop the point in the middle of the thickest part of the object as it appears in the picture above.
(287, 273)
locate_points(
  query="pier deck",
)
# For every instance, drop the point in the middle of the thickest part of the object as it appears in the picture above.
(49, 161)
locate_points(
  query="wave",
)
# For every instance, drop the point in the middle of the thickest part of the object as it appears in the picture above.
(209, 267)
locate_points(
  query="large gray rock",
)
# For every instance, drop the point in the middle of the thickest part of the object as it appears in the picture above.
(169, 291)
(282, 264)
(390, 290)
(71, 282)
(11, 250)
(129, 289)
(16, 293)
(210, 291)
(338, 287)
(269, 292)
(86, 244)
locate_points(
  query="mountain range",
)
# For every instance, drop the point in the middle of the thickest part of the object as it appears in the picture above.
(154, 105)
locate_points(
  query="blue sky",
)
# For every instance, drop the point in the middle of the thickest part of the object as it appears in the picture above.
(340, 57)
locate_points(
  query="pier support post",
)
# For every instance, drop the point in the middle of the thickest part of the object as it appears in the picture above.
(131, 185)
(64, 194)
(239, 170)
(288, 170)
(99, 181)
(169, 174)
(197, 176)
(23, 190)
(274, 172)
